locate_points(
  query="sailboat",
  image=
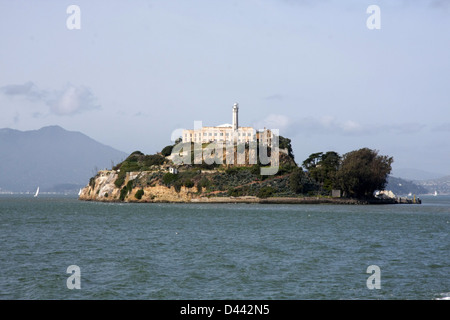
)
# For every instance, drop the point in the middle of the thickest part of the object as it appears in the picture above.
(79, 192)
(435, 193)
(37, 192)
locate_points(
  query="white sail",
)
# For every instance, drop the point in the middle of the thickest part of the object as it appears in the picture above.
(37, 192)
(435, 193)
(79, 192)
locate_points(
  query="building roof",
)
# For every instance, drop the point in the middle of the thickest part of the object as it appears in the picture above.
(225, 125)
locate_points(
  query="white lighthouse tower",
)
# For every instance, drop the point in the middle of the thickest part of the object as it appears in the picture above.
(235, 117)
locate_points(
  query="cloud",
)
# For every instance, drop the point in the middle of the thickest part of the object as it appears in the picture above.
(277, 96)
(329, 125)
(274, 121)
(444, 127)
(27, 90)
(440, 4)
(403, 128)
(70, 100)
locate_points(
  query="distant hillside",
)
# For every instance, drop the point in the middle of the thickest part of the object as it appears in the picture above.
(52, 158)
(403, 187)
(441, 185)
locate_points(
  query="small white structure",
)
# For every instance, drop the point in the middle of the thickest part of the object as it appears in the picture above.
(335, 193)
(173, 170)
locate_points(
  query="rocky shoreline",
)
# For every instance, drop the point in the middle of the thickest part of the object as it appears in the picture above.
(103, 189)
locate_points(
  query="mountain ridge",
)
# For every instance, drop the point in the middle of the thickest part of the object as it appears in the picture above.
(50, 156)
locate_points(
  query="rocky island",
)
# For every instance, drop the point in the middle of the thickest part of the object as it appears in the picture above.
(158, 178)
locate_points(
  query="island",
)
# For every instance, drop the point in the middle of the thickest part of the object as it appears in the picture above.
(324, 177)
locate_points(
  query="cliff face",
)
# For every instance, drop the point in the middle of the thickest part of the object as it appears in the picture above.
(102, 188)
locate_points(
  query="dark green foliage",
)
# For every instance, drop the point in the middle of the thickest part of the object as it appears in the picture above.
(255, 169)
(120, 180)
(126, 166)
(203, 183)
(169, 178)
(296, 183)
(134, 157)
(92, 182)
(130, 185)
(323, 167)
(188, 183)
(235, 192)
(285, 143)
(362, 172)
(177, 185)
(155, 159)
(136, 153)
(167, 151)
(312, 161)
(232, 170)
(126, 190)
(139, 194)
(266, 192)
(123, 193)
(285, 169)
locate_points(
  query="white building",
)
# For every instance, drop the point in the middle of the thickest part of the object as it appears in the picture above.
(225, 133)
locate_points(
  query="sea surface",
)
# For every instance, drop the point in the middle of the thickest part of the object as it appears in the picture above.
(222, 251)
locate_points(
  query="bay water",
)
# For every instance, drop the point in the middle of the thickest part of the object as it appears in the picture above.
(222, 251)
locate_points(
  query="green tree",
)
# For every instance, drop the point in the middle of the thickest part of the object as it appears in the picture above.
(329, 165)
(362, 172)
(285, 143)
(322, 167)
(296, 180)
(139, 194)
(312, 161)
(167, 151)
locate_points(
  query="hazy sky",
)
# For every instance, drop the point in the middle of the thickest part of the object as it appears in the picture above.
(138, 70)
